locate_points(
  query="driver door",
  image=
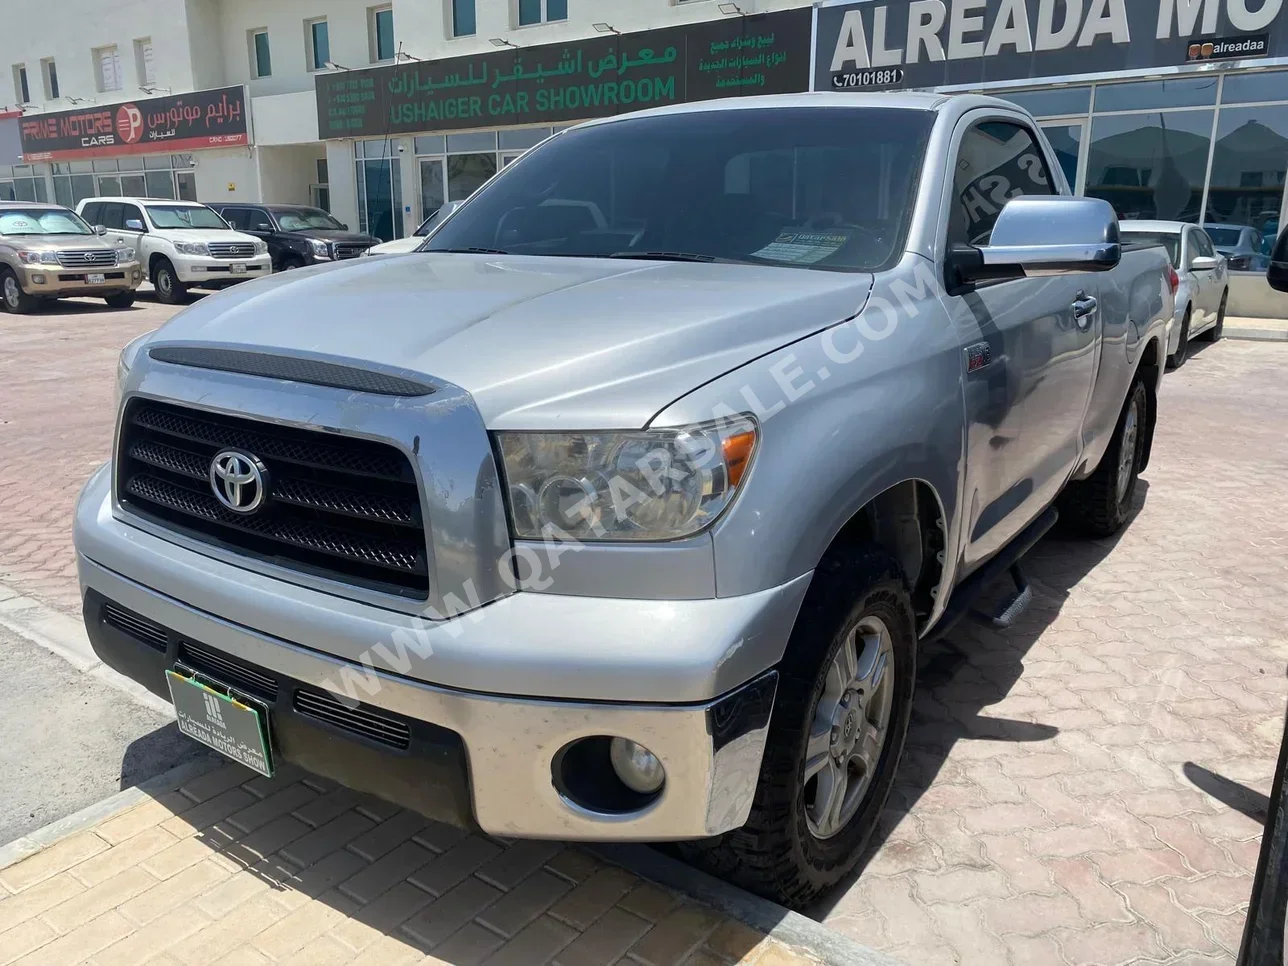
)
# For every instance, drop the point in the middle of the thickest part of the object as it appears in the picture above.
(115, 216)
(1029, 347)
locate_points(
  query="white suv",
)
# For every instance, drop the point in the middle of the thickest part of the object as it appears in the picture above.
(180, 244)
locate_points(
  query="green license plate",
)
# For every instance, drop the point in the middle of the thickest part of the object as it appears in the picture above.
(212, 713)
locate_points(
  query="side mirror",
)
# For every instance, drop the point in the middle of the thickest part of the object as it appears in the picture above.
(1203, 263)
(134, 224)
(263, 226)
(344, 226)
(1040, 235)
(100, 229)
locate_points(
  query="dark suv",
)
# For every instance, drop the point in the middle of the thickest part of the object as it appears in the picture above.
(297, 235)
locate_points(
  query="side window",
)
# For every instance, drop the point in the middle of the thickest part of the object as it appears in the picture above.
(132, 212)
(110, 215)
(237, 217)
(997, 161)
(257, 218)
(92, 212)
(1203, 244)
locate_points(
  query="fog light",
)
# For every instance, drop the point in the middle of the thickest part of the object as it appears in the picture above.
(636, 766)
(38, 279)
(138, 276)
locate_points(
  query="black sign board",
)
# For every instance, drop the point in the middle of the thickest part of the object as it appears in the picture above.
(893, 44)
(178, 122)
(599, 77)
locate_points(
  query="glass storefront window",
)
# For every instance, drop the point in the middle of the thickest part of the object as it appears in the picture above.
(1054, 102)
(431, 144)
(1248, 165)
(472, 142)
(1157, 94)
(380, 198)
(1266, 85)
(1150, 165)
(1066, 139)
(519, 139)
(433, 186)
(466, 172)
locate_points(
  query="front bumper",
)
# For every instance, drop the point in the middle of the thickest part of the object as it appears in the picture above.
(54, 281)
(197, 270)
(711, 748)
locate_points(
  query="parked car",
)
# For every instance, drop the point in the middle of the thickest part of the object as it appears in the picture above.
(181, 244)
(1277, 273)
(1203, 282)
(47, 252)
(297, 235)
(635, 535)
(417, 238)
(1241, 244)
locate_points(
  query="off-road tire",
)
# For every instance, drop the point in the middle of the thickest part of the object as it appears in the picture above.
(1214, 334)
(1177, 358)
(119, 300)
(170, 290)
(1092, 507)
(774, 854)
(289, 263)
(15, 300)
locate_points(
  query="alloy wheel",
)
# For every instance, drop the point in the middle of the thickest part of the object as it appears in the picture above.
(1127, 452)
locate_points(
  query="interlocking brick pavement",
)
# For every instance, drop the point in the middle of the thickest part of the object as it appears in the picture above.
(1087, 787)
(234, 869)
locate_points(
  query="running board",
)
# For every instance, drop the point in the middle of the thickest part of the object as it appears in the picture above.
(963, 600)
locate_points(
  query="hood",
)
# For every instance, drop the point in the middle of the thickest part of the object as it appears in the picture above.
(44, 243)
(333, 235)
(399, 246)
(204, 235)
(575, 343)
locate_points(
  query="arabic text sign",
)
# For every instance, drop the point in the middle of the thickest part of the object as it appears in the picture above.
(891, 43)
(767, 54)
(201, 119)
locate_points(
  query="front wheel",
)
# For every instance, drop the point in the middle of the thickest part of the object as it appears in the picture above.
(1177, 358)
(170, 290)
(119, 300)
(15, 299)
(1099, 505)
(838, 729)
(1214, 334)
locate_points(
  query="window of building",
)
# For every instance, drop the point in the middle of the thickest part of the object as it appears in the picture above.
(380, 33)
(153, 176)
(542, 11)
(990, 151)
(20, 88)
(49, 75)
(143, 62)
(1157, 94)
(1249, 161)
(1053, 102)
(261, 64)
(107, 68)
(23, 182)
(318, 41)
(320, 191)
(1150, 165)
(464, 22)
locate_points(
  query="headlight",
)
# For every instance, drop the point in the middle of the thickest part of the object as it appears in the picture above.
(38, 258)
(320, 249)
(124, 255)
(261, 247)
(125, 362)
(639, 485)
(191, 248)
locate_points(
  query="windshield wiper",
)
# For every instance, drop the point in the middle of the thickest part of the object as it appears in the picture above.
(470, 251)
(666, 256)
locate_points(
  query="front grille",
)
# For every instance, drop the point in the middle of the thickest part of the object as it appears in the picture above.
(88, 258)
(349, 249)
(337, 507)
(228, 670)
(231, 249)
(359, 720)
(135, 625)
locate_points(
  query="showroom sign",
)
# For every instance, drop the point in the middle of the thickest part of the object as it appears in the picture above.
(888, 44)
(179, 122)
(599, 77)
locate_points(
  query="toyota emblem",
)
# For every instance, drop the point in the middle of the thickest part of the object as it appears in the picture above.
(240, 480)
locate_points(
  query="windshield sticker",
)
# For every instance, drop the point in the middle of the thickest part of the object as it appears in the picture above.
(804, 247)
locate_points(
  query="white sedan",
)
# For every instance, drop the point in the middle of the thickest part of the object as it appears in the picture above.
(400, 246)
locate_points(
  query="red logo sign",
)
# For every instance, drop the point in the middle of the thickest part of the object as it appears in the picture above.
(129, 123)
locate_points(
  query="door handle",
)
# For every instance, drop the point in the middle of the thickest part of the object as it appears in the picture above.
(1083, 307)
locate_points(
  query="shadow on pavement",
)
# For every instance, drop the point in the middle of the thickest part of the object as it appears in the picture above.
(973, 667)
(1230, 793)
(157, 752)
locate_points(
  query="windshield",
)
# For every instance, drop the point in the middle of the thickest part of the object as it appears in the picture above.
(185, 216)
(1228, 237)
(302, 219)
(1170, 241)
(823, 188)
(42, 221)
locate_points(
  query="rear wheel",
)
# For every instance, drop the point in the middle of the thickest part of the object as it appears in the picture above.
(1214, 334)
(15, 299)
(1177, 358)
(1099, 505)
(839, 724)
(119, 300)
(170, 290)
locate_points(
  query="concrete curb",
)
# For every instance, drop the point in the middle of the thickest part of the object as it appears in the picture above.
(778, 922)
(65, 636)
(1256, 335)
(54, 832)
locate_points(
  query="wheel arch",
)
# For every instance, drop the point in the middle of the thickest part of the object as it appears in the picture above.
(1149, 370)
(154, 261)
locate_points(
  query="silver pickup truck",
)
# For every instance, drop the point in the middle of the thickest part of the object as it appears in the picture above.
(618, 511)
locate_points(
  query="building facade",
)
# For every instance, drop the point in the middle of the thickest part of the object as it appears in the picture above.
(383, 111)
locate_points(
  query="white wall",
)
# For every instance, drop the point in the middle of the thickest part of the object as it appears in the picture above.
(1252, 297)
(343, 181)
(217, 169)
(285, 118)
(285, 173)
